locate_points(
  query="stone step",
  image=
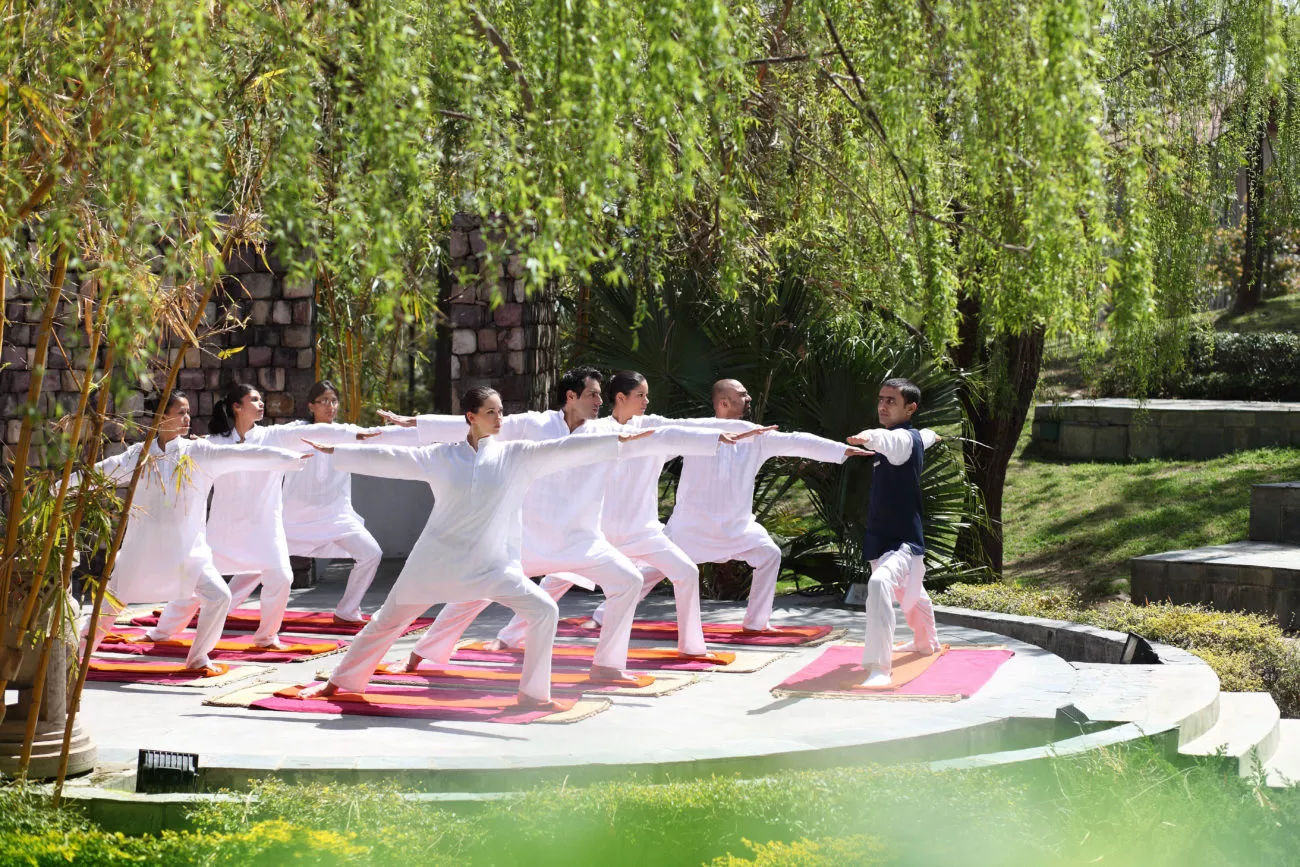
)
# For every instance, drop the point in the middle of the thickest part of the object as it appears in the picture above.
(1283, 767)
(1247, 731)
(1263, 577)
(1275, 513)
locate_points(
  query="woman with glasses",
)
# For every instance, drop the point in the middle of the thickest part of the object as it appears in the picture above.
(319, 520)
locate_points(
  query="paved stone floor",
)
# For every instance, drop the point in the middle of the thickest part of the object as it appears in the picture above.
(722, 717)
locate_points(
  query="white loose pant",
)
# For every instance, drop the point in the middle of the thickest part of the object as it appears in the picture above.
(362, 548)
(274, 598)
(685, 576)
(897, 575)
(765, 557)
(211, 599)
(620, 580)
(538, 611)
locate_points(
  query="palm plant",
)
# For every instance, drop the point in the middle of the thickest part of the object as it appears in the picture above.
(809, 367)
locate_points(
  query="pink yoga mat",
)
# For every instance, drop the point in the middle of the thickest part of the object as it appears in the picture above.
(515, 657)
(440, 707)
(317, 622)
(714, 633)
(838, 671)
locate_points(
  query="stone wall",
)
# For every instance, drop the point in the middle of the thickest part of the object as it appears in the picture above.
(276, 349)
(1119, 429)
(494, 335)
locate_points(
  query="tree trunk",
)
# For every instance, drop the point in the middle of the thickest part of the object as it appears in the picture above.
(997, 416)
(1254, 250)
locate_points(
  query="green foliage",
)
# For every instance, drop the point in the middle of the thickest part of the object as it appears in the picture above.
(809, 368)
(1247, 651)
(1257, 365)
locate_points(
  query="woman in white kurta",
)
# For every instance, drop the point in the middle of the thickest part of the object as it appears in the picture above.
(319, 520)
(165, 555)
(630, 519)
(245, 523)
(470, 547)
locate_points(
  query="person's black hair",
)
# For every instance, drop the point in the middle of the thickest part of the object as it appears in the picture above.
(316, 391)
(624, 382)
(907, 388)
(575, 381)
(223, 410)
(473, 399)
(151, 402)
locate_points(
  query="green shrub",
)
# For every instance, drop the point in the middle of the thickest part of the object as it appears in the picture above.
(1259, 365)
(1247, 651)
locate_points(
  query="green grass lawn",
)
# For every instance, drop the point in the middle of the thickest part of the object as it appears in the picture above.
(1077, 524)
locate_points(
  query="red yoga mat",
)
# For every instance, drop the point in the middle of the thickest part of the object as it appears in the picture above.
(318, 622)
(495, 679)
(148, 671)
(714, 633)
(581, 656)
(132, 641)
(403, 701)
(838, 673)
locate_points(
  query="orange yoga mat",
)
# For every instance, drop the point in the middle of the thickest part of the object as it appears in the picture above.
(470, 676)
(581, 656)
(133, 641)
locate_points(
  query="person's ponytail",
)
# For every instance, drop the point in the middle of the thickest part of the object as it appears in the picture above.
(223, 410)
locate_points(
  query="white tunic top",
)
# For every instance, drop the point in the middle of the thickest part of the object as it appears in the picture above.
(246, 522)
(562, 516)
(165, 547)
(470, 546)
(318, 501)
(714, 516)
(895, 446)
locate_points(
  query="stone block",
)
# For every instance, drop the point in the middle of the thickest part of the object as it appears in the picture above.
(466, 316)
(1272, 435)
(258, 285)
(299, 382)
(14, 356)
(476, 243)
(515, 266)
(55, 359)
(286, 358)
(270, 379)
(247, 259)
(193, 357)
(458, 245)
(508, 315)
(205, 403)
(297, 336)
(516, 339)
(514, 388)
(1265, 523)
(1077, 441)
(191, 380)
(69, 380)
(464, 222)
(215, 378)
(517, 362)
(305, 288)
(487, 340)
(258, 356)
(487, 364)
(279, 404)
(260, 313)
(303, 312)
(488, 292)
(13, 430)
(1110, 443)
(454, 367)
(282, 313)
(518, 291)
(463, 341)
(208, 359)
(1208, 442)
(1237, 419)
(19, 334)
(306, 359)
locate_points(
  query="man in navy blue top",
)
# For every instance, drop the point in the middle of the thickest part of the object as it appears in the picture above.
(894, 543)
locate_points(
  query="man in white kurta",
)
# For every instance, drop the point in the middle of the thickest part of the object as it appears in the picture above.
(894, 542)
(562, 531)
(713, 520)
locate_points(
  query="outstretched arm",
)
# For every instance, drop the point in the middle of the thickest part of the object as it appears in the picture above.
(895, 445)
(386, 462)
(220, 460)
(552, 456)
(728, 425)
(806, 445)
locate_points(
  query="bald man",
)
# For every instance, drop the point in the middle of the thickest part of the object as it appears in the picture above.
(713, 521)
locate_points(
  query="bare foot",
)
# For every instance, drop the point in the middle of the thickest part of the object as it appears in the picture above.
(495, 644)
(272, 643)
(319, 690)
(605, 674)
(877, 678)
(347, 621)
(913, 647)
(703, 655)
(413, 661)
(208, 670)
(527, 702)
(766, 630)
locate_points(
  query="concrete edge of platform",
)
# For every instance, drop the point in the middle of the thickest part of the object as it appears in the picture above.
(1073, 642)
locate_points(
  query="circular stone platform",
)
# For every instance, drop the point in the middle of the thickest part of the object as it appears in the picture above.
(723, 723)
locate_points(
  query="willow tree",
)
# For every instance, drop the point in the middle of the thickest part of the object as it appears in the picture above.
(1002, 174)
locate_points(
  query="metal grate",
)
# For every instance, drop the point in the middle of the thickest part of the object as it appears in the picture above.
(160, 771)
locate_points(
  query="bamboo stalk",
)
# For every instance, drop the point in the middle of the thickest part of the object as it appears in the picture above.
(74, 446)
(17, 487)
(74, 699)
